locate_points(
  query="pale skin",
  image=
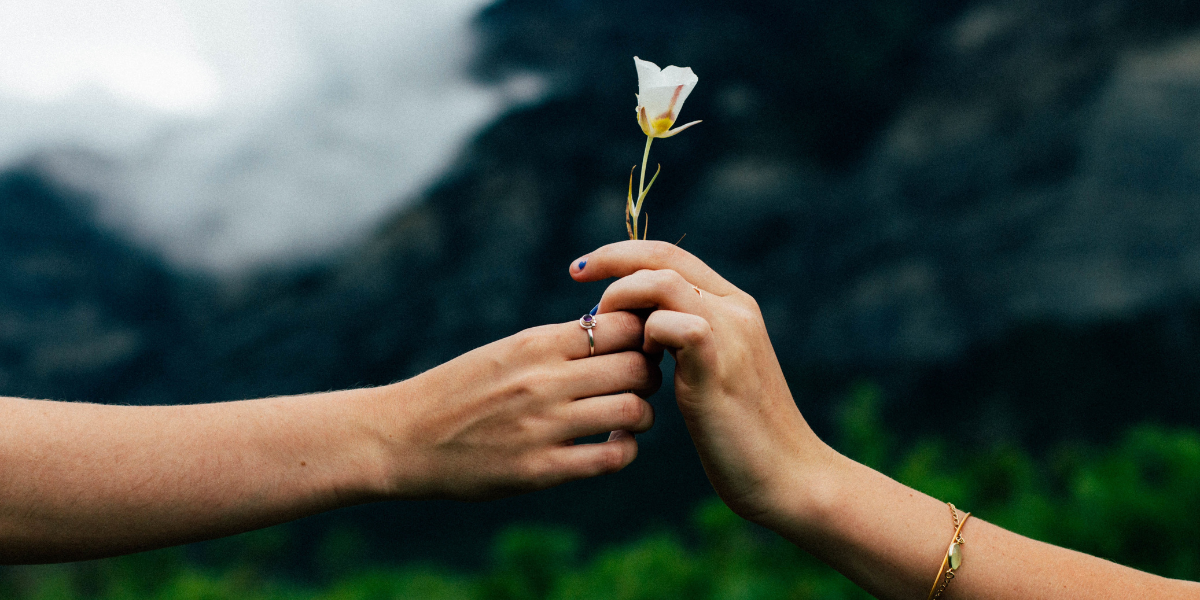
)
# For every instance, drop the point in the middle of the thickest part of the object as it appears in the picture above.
(767, 464)
(80, 481)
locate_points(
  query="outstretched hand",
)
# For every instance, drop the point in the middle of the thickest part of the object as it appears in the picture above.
(728, 383)
(501, 419)
(85, 481)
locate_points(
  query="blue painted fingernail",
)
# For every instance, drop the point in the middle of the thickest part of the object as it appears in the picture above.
(582, 264)
(594, 309)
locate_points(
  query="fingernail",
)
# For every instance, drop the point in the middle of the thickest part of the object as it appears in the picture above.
(582, 264)
(594, 308)
(616, 435)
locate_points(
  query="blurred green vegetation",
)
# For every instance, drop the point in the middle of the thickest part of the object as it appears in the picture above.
(1134, 502)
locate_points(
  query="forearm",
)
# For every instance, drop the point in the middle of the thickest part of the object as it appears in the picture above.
(85, 480)
(891, 539)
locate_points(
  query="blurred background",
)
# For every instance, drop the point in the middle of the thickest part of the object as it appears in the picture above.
(973, 227)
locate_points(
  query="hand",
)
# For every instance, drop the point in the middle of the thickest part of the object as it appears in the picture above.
(501, 419)
(755, 446)
(769, 467)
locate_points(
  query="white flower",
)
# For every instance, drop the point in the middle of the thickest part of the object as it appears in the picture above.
(661, 93)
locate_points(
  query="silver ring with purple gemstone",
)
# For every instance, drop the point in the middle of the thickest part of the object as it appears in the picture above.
(587, 322)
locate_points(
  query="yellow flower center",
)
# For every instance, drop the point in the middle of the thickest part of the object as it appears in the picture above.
(660, 125)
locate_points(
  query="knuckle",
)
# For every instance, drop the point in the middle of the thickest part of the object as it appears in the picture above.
(533, 383)
(748, 301)
(629, 325)
(664, 277)
(662, 253)
(642, 417)
(534, 341)
(533, 469)
(695, 331)
(631, 410)
(637, 368)
(746, 313)
(614, 458)
(639, 277)
(622, 329)
(525, 429)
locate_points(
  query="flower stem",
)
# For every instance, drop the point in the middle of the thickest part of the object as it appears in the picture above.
(642, 179)
(637, 209)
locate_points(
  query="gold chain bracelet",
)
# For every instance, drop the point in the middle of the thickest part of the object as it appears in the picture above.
(953, 557)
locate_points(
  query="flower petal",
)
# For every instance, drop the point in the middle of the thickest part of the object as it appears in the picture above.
(676, 130)
(673, 75)
(643, 120)
(648, 73)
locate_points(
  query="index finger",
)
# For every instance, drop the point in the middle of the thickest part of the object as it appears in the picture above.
(628, 257)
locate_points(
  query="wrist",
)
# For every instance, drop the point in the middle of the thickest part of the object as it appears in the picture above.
(398, 465)
(809, 491)
(358, 445)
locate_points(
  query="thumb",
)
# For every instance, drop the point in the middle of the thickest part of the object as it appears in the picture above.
(689, 338)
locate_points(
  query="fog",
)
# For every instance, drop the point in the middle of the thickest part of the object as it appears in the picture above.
(231, 134)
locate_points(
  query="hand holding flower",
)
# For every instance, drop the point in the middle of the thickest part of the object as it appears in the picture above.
(728, 383)
(769, 466)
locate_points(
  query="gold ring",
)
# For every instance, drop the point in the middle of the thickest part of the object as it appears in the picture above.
(698, 292)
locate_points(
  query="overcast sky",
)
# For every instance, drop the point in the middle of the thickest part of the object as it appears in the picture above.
(233, 133)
